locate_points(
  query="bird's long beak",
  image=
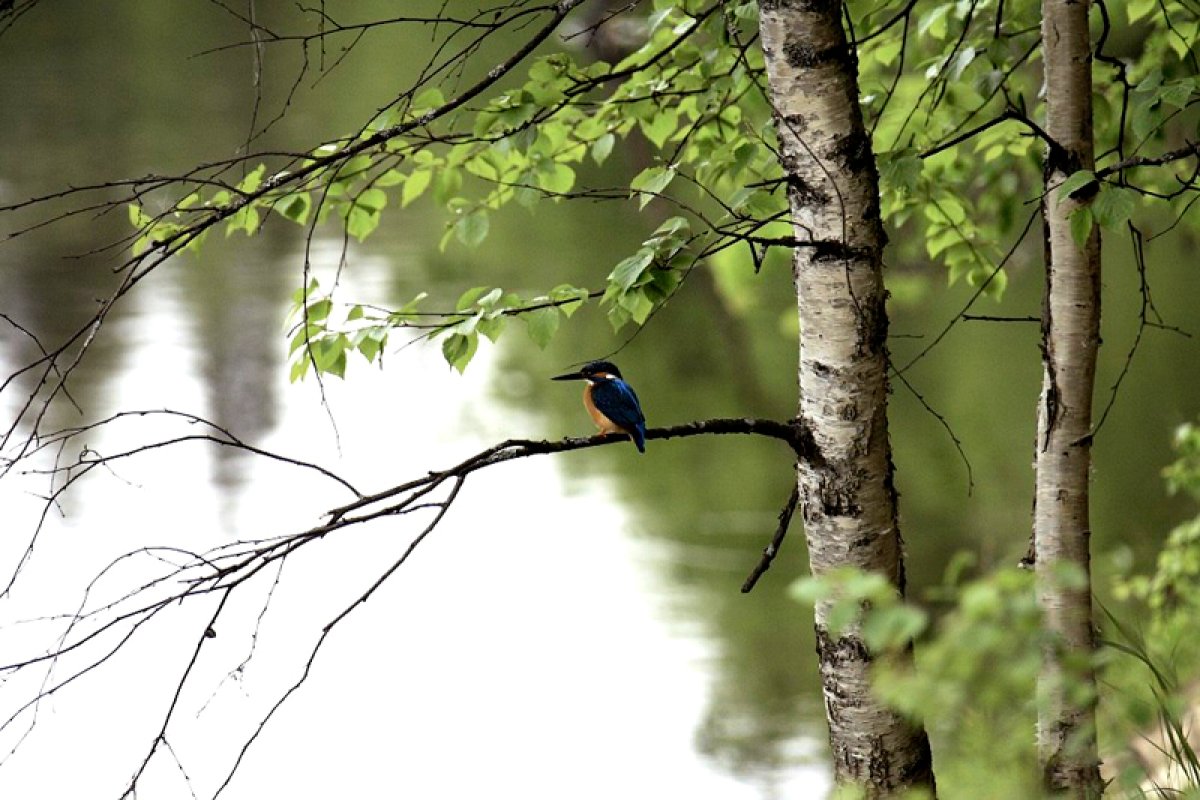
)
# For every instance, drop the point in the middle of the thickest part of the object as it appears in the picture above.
(570, 376)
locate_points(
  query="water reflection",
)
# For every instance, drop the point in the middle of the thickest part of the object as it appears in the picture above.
(534, 639)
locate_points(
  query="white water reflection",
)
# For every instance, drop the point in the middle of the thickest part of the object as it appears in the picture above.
(529, 645)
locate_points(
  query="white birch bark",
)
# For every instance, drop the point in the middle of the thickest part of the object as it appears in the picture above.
(847, 496)
(1070, 340)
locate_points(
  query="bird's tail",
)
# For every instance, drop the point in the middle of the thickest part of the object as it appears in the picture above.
(638, 435)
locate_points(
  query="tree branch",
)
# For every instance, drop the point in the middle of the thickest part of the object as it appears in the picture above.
(98, 627)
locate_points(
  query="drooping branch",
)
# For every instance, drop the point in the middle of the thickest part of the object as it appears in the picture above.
(99, 628)
(50, 378)
(798, 438)
(772, 549)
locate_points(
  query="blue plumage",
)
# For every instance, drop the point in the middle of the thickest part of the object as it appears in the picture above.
(611, 402)
(615, 399)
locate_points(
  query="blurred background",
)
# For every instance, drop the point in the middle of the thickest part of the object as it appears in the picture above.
(575, 626)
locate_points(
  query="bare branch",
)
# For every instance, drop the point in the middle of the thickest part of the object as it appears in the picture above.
(772, 549)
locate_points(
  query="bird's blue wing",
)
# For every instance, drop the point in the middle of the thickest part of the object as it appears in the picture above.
(616, 400)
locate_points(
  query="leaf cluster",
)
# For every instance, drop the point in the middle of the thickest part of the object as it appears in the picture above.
(944, 93)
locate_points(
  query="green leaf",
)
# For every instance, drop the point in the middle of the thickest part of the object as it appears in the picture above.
(555, 177)
(638, 304)
(1136, 9)
(319, 310)
(886, 51)
(329, 355)
(942, 240)
(491, 325)
(617, 317)
(1076, 181)
(246, 219)
(659, 127)
(296, 207)
(543, 324)
(842, 614)
(252, 180)
(406, 311)
(361, 222)
(302, 337)
(997, 284)
(602, 147)
(934, 21)
(458, 350)
(902, 172)
(489, 300)
(1145, 114)
(471, 229)
(671, 226)
(626, 273)
(575, 297)
(415, 186)
(371, 344)
(137, 217)
(299, 369)
(893, 628)
(1113, 205)
(392, 177)
(428, 100)
(448, 182)
(470, 297)
(373, 199)
(1176, 93)
(651, 182)
(810, 590)
(1081, 225)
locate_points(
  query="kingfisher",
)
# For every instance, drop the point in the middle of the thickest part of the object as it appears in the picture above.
(610, 401)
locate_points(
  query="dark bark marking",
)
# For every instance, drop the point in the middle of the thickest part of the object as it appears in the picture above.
(854, 151)
(795, 124)
(822, 6)
(802, 55)
(839, 500)
(836, 253)
(839, 651)
(801, 193)
(879, 764)
(872, 326)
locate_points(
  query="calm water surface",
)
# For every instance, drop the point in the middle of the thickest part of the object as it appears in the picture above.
(574, 628)
(557, 636)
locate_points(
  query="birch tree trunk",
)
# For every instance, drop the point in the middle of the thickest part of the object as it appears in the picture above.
(847, 496)
(1070, 339)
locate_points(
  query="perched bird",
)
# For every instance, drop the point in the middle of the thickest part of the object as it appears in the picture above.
(610, 401)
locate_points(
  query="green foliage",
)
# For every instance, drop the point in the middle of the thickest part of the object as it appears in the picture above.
(977, 663)
(979, 652)
(1174, 587)
(325, 334)
(863, 603)
(1154, 672)
(973, 685)
(946, 93)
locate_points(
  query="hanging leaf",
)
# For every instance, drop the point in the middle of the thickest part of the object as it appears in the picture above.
(1075, 182)
(1113, 206)
(1081, 225)
(471, 229)
(630, 269)
(650, 182)
(543, 324)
